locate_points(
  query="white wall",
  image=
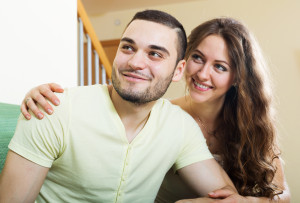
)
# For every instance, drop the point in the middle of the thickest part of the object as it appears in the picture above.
(38, 44)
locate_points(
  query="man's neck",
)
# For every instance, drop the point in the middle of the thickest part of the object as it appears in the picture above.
(133, 116)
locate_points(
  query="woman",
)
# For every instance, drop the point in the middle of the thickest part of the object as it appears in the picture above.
(230, 99)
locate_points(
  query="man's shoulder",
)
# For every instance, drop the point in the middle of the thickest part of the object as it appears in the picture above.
(84, 90)
(79, 99)
(83, 93)
(172, 111)
(166, 104)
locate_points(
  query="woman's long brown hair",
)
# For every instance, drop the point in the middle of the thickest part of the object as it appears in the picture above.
(246, 129)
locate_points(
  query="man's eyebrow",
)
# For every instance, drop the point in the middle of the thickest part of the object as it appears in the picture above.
(126, 39)
(160, 48)
(156, 47)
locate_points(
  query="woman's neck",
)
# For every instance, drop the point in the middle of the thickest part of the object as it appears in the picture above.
(206, 115)
(207, 112)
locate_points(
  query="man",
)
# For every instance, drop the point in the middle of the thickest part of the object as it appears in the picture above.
(115, 143)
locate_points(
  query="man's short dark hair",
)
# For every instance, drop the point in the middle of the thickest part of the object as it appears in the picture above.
(169, 21)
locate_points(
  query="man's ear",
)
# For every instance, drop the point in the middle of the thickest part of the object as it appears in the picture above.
(179, 70)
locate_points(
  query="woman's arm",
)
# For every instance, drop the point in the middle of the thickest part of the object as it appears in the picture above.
(227, 196)
(278, 180)
(39, 95)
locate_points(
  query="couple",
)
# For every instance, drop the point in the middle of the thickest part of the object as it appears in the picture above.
(116, 143)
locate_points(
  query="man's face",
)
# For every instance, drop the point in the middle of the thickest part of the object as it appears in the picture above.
(145, 61)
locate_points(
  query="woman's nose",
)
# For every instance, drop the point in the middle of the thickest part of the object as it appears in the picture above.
(205, 72)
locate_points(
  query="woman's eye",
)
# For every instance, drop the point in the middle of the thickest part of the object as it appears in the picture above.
(197, 58)
(220, 67)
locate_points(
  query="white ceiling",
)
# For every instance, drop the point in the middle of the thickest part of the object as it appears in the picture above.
(98, 7)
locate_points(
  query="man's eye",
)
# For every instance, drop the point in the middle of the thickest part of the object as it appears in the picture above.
(127, 47)
(155, 54)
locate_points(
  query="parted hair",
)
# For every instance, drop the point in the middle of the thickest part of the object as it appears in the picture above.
(169, 21)
(246, 125)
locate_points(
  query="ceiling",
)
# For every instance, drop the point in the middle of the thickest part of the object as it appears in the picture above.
(98, 7)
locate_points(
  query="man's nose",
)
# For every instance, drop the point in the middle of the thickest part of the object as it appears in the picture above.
(138, 61)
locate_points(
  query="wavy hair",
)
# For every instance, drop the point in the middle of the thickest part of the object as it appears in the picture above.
(245, 128)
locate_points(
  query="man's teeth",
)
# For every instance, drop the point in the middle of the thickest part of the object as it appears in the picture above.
(201, 86)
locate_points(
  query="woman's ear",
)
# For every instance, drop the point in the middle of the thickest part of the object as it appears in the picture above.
(179, 70)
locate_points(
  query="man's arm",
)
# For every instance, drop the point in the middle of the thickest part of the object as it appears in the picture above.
(21, 179)
(205, 177)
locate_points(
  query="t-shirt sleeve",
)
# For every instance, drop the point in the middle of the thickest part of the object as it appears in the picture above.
(42, 141)
(194, 147)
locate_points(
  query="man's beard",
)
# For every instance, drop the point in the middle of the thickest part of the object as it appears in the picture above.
(151, 93)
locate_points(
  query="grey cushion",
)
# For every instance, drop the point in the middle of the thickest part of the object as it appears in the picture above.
(9, 114)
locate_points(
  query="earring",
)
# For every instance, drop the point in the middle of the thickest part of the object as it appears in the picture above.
(235, 85)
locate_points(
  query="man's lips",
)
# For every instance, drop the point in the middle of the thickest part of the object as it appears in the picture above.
(135, 76)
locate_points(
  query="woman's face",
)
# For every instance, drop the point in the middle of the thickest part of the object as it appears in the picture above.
(209, 74)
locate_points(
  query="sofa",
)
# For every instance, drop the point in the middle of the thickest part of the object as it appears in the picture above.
(9, 114)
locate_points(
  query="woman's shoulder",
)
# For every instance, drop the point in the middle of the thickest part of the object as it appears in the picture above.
(181, 102)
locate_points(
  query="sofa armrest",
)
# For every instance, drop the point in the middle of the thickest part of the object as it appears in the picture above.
(9, 114)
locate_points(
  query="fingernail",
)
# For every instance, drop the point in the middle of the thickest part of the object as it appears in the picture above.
(211, 193)
(27, 116)
(40, 115)
(50, 111)
(56, 102)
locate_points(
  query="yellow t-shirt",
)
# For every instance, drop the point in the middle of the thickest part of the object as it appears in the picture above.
(85, 146)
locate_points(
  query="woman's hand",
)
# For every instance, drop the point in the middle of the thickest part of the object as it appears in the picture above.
(198, 200)
(235, 198)
(39, 95)
(226, 195)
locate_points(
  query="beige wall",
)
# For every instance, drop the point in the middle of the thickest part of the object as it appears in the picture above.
(276, 25)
